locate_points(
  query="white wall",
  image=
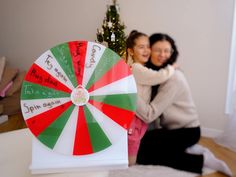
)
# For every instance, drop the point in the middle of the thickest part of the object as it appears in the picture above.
(201, 28)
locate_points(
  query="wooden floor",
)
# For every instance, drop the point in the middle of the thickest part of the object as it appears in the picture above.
(222, 153)
(14, 122)
(17, 122)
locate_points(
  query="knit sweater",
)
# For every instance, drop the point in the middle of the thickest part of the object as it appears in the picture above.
(174, 101)
(145, 78)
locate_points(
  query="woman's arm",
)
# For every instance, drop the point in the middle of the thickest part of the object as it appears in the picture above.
(146, 76)
(166, 95)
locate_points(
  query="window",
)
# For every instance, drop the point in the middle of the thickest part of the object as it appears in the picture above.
(231, 89)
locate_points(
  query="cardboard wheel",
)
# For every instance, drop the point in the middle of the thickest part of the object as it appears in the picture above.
(76, 96)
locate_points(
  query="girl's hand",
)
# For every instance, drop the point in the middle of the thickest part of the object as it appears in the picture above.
(175, 65)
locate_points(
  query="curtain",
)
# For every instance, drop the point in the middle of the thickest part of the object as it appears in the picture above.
(228, 138)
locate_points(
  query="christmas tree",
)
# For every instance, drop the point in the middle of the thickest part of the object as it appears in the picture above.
(112, 32)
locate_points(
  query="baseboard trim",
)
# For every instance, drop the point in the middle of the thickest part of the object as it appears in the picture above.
(210, 133)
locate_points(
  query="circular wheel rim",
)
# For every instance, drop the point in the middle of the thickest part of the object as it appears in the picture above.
(77, 96)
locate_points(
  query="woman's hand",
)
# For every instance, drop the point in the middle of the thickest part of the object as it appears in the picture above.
(175, 65)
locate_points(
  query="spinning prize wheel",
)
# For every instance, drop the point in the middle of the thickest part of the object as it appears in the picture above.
(76, 96)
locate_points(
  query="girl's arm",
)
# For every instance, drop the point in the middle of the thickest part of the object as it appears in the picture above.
(166, 95)
(146, 76)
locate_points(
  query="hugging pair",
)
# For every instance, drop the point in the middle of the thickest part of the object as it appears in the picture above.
(166, 127)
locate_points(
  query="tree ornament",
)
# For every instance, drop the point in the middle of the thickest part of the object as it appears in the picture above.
(109, 24)
(105, 43)
(113, 37)
(104, 23)
(102, 31)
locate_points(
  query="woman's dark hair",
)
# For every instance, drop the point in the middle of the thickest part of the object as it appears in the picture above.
(154, 38)
(173, 58)
(130, 41)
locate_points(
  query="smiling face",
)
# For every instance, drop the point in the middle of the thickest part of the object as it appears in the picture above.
(161, 52)
(141, 50)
